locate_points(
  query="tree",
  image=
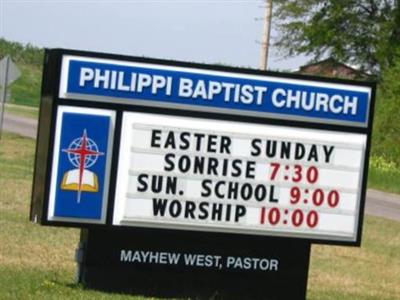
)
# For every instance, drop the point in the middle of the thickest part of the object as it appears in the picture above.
(361, 32)
(386, 132)
(26, 54)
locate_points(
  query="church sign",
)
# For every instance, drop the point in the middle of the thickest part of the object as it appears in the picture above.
(143, 144)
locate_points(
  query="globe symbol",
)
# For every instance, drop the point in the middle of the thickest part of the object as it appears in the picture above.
(75, 158)
(82, 153)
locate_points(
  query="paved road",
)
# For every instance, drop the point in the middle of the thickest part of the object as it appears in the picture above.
(23, 126)
(378, 203)
(382, 204)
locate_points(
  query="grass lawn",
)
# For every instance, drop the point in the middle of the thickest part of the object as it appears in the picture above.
(369, 272)
(38, 262)
(387, 181)
(26, 90)
(383, 175)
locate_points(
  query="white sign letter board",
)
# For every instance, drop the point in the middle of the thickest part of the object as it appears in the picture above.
(210, 175)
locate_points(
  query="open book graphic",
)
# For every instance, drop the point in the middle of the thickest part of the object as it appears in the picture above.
(90, 182)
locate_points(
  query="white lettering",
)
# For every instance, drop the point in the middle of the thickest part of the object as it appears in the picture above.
(121, 85)
(228, 87)
(293, 99)
(336, 109)
(281, 101)
(252, 263)
(260, 91)
(158, 83)
(87, 74)
(322, 101)
(247, 94)
(144, 80)
(200, 90)
(214, 88)
(185, 87)
(350, 104)
(126, 255)
(309, 101)
(99, 77)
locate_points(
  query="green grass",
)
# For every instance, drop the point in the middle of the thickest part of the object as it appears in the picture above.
(383, 175)
(26, 90)
(38, 262)
(369, 272)
(387, 181)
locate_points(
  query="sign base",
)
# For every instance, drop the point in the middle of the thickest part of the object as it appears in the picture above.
(182, 264)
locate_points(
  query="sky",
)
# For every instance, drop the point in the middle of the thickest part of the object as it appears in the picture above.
(203, 31)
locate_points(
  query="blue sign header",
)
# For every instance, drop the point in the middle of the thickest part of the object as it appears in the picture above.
(224, 92)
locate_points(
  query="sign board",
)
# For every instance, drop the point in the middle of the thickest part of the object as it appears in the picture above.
(13, 72)
(8, 74)
(202, 266)
(140, 143)
(195, 89)
(227, 176)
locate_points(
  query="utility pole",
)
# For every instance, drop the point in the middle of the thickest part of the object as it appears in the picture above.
(266, 36)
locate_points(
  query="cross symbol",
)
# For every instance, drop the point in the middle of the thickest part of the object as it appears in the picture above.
(82, 152)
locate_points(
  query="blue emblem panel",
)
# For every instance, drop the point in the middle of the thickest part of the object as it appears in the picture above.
(82, 155)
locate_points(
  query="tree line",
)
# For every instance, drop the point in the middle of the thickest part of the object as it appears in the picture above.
(19, 53)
